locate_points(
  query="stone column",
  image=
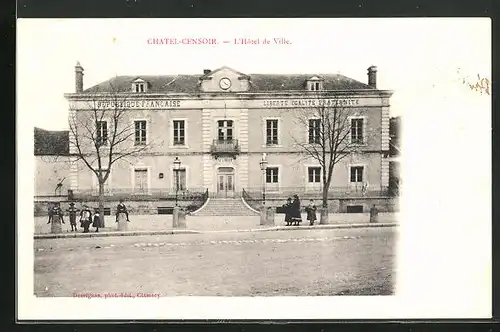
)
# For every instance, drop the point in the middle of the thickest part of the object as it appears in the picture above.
(373, 214)
(175, 217)
(270, 216)
(263, 215)
(323, 216)
(178, 218)
(55, 225)
(122, 222)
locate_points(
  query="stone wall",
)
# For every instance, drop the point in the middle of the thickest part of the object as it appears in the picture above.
(383, 204)
(135, 207)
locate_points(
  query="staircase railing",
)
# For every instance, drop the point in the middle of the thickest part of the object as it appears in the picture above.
(252, 202)
(198, 201)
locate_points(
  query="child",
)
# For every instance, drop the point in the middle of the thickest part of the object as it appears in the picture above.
(72, 216)
(85, 218)
(97, 221)
(287, 207)
(121, 208)
(311, 212)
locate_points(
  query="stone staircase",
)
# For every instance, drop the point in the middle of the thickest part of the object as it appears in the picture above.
(225, 207)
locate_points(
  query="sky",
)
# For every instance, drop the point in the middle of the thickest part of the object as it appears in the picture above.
(413, 56)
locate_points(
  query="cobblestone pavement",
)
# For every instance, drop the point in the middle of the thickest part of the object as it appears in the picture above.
(319, 262)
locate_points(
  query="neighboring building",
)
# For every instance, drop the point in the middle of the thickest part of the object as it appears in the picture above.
(395, 154)
(52, 169)
(219, 124)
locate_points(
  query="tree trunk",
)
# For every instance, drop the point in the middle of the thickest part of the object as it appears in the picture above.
(325, 196)
(101, 203)
(323, 212)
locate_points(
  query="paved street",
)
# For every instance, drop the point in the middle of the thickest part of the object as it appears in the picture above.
(300, 263)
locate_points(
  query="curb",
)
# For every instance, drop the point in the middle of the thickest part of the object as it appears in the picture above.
(329, 226)
(185, 231)
(106, 234)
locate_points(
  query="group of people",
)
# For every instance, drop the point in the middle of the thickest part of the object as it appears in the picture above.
(293, 211)
(87, 218)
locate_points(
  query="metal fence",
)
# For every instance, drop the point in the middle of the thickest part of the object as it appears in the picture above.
(164, 194)
(255, 193)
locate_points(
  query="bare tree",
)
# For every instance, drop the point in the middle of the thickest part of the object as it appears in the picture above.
(334, 133)
(101, 136)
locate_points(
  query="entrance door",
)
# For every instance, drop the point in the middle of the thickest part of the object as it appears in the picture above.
(225, 182)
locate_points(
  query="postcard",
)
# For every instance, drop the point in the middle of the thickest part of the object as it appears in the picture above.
(254, 169)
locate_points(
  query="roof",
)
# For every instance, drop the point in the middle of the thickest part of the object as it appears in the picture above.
(51, 143)
(258, 83)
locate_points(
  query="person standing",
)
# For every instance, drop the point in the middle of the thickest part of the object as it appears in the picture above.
(96, 220)
(286, 207)
(85, 218)
(72, 216)
(295, 211)
(311, 212)
(121, 208)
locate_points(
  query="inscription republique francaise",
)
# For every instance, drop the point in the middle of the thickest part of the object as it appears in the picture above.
(176, 103)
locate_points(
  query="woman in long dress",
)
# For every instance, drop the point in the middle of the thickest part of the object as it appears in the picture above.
(295, 211)
(97, 221)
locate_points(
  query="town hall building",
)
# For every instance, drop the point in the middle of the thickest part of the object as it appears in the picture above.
(209, 133)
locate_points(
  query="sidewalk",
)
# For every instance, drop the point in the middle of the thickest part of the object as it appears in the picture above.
(254, 228)
(211, 223)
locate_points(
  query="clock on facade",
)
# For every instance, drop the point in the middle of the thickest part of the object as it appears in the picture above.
(225, 83)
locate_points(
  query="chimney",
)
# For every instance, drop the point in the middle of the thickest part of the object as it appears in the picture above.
(78, 78)
(206, 71)
(372, 76)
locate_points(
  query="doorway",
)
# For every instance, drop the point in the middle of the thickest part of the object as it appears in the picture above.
(225, 182)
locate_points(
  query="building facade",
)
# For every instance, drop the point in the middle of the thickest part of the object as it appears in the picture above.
(52, 163)
(220, 123)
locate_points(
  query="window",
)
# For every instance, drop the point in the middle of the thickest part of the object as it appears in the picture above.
(272, 175)
(355, 209)
(314, 174)
(225, 130)
(271, 132)
(357, 131)
(165, 210)
(357, 174)
(140, 180)
(102, 133)
(315, 86)
(139, 87)
(180, 179)
(314, 131)
(140, 132)
(179, 132)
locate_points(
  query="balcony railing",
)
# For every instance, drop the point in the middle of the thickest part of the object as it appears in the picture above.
(227, 147)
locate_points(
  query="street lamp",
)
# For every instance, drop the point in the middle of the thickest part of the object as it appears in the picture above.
(263, 167)
(177, 167)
